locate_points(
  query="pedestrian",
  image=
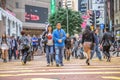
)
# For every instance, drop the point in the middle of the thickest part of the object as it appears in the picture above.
(14, 46)
(59, 37)
(34, 45)
(49, 46)
(4, 47)
(96, 46)
(24, 47)
(87, 41)
(67, 47)
(106, 44)
(44, 41)
(80, 50)
(116, 45)
(76, 46)
(10, 48)
(18, 51)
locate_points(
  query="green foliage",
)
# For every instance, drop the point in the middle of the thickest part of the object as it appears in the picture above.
(74, 20)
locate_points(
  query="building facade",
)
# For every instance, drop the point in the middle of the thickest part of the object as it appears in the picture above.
(33, 14)
(71, 4)
(117, 17)
(9, 24)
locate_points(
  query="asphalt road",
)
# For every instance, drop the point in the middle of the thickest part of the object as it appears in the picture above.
(75, 69)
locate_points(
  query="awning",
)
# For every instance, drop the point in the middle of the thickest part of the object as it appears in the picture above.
(34, 25)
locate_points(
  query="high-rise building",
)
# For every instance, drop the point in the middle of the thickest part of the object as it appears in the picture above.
(71, 4)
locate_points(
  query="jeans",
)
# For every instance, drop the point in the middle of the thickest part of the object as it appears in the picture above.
(49, 53)
(35, 47)
(24, 55)
(10, 54)
(97, 50)
(59, 55)
(106, 51)
(14, 52)
(80, 53)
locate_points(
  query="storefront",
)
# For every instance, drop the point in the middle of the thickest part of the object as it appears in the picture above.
(9, 24)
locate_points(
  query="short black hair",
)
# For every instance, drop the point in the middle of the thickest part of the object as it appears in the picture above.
(58, 22)
(107, 29)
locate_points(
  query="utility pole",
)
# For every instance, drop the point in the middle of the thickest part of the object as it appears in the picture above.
(95, 19)
(67, 17)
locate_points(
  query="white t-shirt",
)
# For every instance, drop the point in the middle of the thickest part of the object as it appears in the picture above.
(50, 39)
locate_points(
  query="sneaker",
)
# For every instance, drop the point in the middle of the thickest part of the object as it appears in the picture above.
(52, 63)
(23, 63)
(48, 65)
(62, 65)
(57, 65)
(5, 61)
(87, 62)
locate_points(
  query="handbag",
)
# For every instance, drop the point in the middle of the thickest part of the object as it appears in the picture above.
(92, 46)
(45, 40)
(26, 47)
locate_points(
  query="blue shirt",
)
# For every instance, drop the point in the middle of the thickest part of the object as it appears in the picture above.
(34, 41)
(57, 35)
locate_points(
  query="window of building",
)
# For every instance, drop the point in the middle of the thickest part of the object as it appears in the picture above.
(116, 21)
(13, 25)
(119, 4)
(116, 5)
(17, 5)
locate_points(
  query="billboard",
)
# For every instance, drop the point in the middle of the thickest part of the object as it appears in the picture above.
(35, 14)
(82, 6)
(98, 6)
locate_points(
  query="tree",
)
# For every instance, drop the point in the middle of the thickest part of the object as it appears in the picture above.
(74, 20)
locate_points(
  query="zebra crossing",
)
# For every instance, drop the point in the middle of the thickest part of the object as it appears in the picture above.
(73, 70)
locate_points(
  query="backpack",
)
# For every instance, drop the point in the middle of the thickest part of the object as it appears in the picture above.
(107, 40)
(24, 42)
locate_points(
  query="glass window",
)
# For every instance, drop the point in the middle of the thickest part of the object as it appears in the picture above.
(116, 21)
(119, 4)
(116, 5)
(17, 5)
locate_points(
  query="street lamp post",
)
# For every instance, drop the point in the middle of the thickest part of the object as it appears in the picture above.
(67, 17)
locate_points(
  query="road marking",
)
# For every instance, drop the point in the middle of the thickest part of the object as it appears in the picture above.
(59, 73)
(111, 77)
(54, 67)
(45, 70)
(40, 79)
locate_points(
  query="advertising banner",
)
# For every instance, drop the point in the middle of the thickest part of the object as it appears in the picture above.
(36, 14)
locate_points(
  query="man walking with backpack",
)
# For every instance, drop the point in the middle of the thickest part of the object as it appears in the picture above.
(24, 46)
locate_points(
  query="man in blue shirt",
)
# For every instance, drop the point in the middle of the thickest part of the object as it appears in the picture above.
(59, 37)
(34, 45)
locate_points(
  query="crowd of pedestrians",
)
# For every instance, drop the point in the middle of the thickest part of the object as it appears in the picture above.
(14, 48)
(59, 45)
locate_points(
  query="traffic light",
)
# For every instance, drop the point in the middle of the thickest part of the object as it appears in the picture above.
(60, 4)
(97, 17)
(92, 19)
(52, 6)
